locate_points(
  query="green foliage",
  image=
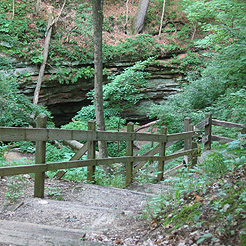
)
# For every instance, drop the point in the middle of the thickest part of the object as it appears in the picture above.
(148, 173)
(76, 174)
(15, 108)
(231, 106)
(65, 76)
(115, 179)
(108, 24)
(117, 149)
(223, 69)
(141, 46)
(121, 93)
(191, 63)
(15, 33)
(173, 112)
(216, 165)
(112, 120)
(212, 193)
(223, 20)
(14, 190)
(25, 147)
(124, 90)
(58, 52)
(83, 20)
(54, 153)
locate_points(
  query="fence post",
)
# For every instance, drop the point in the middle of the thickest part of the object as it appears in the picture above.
(194, 146)
(208, 131)
(161, 153)
(91, 154)
(40, 153)
(129, 152)
(243, 131)
(187, 142)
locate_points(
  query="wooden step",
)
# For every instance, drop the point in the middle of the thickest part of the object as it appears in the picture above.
(23, 233)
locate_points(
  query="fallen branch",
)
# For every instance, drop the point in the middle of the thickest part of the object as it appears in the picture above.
(145, 126)
(73, 144)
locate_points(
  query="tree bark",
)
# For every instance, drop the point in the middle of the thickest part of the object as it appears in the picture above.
(98, 77)
(138, 21)
(13, 10)
(38, 6)
(127, 13)
(162, 16)
(45, 56)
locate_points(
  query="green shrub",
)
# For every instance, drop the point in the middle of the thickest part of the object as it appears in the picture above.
(15, 108)
(121, 93)
(55, 154)
(231, 106)
(141, 46)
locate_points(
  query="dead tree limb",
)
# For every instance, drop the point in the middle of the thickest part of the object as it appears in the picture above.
(38, 5)
(13, 10)
(127, 13)
(194, 32)
(73, 144)
(162, 16)
(48, 32)
(56, 19)
(146, 126)
(45, 56)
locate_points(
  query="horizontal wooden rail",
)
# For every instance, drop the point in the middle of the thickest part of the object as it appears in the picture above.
(202, 124)
(40, 134)
(153, 151)
(180, 136)
(142, 163)
(227, 124)
(16, 170)
(222, 139)
(182, 153)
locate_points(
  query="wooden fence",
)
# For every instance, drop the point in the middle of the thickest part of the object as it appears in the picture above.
(41, 135)
(208, 122)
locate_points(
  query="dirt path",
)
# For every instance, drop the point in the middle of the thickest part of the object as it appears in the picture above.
(95, 213)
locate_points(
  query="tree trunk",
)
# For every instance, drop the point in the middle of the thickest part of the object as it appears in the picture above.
(13, 10)
(38, 5)
(138, 21)
(162, 16)
(98, 79)
(45, 56)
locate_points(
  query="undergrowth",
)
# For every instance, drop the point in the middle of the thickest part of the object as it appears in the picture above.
(208, 200)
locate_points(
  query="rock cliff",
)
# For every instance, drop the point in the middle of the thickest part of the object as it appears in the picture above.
(64, 100)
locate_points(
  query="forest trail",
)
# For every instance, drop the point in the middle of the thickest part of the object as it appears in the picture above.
(73, 211)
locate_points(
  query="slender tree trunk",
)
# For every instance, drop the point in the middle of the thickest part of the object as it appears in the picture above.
(38, 5)
(13, 10)
(45, 56)
(162, 16)
(98, 65)
(127, 13)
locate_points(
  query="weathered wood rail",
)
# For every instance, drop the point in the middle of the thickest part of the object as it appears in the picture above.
(41, 135)
(208, 122)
